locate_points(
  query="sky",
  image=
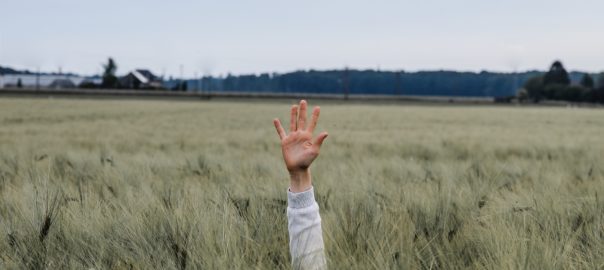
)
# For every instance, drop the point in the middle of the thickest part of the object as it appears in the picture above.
(241, 37)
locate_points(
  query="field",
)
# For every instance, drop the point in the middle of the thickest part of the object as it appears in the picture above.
(122, 184)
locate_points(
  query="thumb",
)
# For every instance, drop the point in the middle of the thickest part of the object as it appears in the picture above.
(320, 138)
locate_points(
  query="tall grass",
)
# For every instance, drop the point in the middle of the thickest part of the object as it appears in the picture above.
(186, 185)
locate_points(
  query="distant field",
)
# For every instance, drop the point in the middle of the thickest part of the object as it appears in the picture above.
(109, 184)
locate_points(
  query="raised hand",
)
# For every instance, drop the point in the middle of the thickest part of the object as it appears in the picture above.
(298, 147)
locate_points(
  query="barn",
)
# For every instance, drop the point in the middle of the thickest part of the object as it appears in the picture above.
(140, 79)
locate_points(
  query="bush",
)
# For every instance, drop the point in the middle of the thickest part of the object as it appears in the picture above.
(87, 85)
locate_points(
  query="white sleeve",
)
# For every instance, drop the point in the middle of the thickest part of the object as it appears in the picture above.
(305, 235)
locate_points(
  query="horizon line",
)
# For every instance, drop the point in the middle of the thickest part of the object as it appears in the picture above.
(27, 71)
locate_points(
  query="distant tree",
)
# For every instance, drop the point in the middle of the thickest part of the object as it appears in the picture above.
(87, 84)
(534, 88)
(587, 81)
(109, 78)
(522, 95)
(553, 91)
(598, 92)
(180, 86)
(19, 83)
(556, 75)
(573, 93)
(600, 80)
(588, 84)
(598, 95)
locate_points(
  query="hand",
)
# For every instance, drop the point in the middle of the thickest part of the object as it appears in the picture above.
(298, 147)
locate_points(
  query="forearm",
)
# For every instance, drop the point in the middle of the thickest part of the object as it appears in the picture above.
(305, 234)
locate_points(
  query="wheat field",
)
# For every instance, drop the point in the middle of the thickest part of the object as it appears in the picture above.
(124, 184)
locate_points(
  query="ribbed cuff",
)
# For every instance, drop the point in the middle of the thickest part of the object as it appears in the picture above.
(301, 199)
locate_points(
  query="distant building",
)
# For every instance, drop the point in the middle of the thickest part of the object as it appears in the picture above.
(62, 84)
(41, 81)
(91, 82)
(140, 79)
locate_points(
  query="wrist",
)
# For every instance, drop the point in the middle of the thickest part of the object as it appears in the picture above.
(300, 180)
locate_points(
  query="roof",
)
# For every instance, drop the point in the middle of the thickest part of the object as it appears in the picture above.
(139, 76)
(148, 75)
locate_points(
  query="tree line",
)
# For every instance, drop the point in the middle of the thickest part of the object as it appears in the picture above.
(351, 81)
(556, 84)
(530, 86)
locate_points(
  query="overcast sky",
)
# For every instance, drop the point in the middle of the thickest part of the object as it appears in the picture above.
(216, 37)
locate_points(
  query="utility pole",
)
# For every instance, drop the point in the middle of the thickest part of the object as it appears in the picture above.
(38, 79)
(345, 84)
(181, 86)
(197, 82)
(204, 84)
(516, 86)
(397, 83)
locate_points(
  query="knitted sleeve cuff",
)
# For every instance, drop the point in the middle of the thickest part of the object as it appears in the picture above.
(300, 199)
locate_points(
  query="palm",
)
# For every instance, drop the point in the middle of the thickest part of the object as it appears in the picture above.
(298, 147)
(298, 150)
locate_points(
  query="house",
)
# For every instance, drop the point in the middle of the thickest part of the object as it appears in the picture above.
(140, 78)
